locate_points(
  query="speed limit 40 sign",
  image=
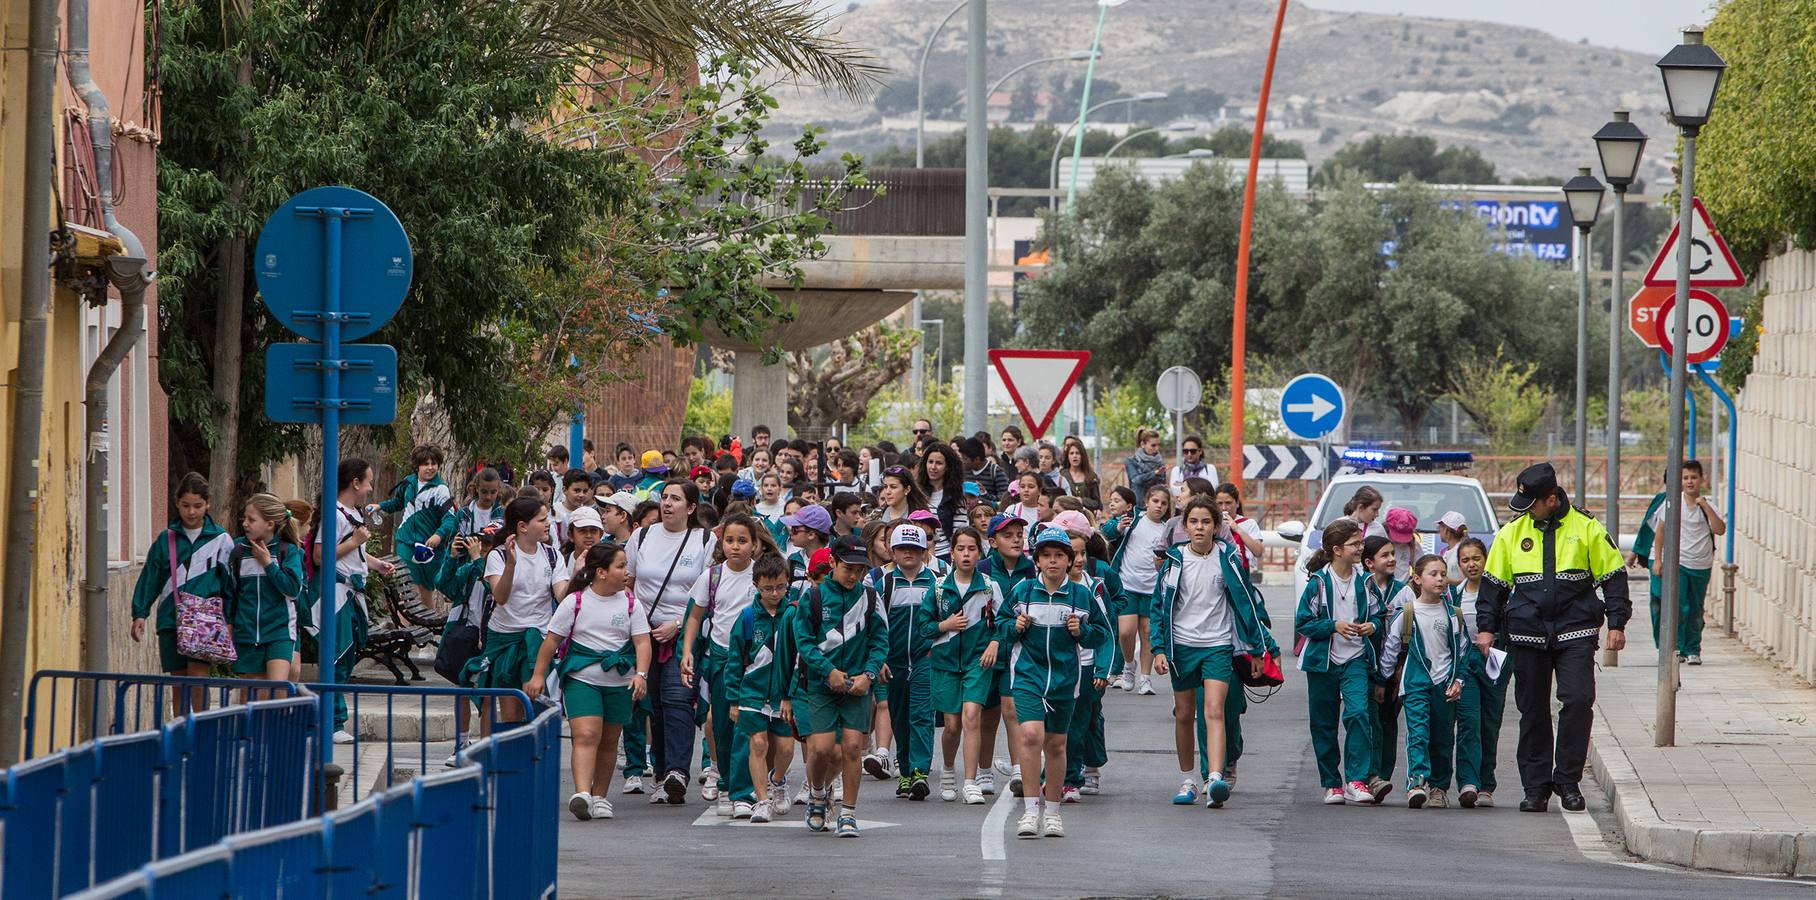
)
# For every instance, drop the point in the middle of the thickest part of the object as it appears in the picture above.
(1708, 325)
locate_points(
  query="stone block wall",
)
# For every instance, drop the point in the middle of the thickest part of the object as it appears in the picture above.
(1775, 510)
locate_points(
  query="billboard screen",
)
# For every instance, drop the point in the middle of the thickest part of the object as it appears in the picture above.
(1536, 228)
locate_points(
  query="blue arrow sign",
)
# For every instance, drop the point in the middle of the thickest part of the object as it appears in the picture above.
(1311, 406)
(368, 384)
(373, 270)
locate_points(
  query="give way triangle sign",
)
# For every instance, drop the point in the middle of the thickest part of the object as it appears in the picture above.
(1038, 381)
(1712, 264)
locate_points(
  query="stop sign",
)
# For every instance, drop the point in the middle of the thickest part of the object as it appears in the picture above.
(1642, 312)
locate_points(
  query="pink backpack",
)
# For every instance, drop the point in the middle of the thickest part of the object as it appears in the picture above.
(202, 631)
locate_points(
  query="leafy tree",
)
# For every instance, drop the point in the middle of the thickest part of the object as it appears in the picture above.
(834, 384)
(708, 409)
(1391, 157)
(1737, 357)
(1502, 398)
(1127, 408)
(1756, 156)
(891, 412)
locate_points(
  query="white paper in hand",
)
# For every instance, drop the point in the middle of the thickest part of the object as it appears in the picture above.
(1496, 659)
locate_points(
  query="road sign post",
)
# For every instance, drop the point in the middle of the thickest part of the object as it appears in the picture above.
(1180, 391)
(328, 286)
(1038, 381)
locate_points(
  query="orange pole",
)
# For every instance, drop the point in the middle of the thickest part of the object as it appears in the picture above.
(1239, 328)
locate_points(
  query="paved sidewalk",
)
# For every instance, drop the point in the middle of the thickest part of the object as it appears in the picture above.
(1738, 791)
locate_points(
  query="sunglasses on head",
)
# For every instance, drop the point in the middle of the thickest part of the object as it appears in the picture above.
(896, 470)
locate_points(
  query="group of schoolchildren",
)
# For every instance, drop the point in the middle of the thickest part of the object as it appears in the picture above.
(1384, 630)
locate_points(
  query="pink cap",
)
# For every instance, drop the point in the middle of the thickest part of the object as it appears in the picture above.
(1072, 522)
(923, 515)
(1401, 524)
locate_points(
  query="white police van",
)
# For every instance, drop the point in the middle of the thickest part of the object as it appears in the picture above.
(1424, 483)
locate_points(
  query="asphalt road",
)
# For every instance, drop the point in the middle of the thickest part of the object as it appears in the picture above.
(1274, 838)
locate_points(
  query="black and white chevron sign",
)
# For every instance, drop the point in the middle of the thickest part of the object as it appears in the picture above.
(1282, 462)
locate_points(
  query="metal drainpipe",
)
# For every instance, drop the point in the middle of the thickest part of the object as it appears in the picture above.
(129, 276)
(28, 403)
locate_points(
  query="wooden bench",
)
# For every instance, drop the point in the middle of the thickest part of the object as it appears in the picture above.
(412, 625)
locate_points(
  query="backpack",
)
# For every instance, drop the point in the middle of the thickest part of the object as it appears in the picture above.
(815, 607)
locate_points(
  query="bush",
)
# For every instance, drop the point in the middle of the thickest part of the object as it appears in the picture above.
(1126, 409)
(708, 409)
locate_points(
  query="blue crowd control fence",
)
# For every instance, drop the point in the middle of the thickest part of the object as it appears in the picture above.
(408, 720)
(65, 707)
(484, 829)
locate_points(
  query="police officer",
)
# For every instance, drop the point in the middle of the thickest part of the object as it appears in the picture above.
(1539, 588)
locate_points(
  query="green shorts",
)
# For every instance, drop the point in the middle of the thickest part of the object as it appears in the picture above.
(948, 691)
(1058, 715)
(1135, 603)
(818, 712)
(174, 663)
(751, 722)
(508, 660)
(1191, 667)
(252, 657)
(581, 700)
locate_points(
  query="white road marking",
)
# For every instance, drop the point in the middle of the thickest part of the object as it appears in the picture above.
(990, 841)
(1586, 832)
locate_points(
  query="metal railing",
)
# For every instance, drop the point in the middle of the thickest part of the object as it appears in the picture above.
(421, 718)
(84, 705)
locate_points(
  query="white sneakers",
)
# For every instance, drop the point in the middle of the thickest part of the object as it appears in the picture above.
(1015, 782)
(726, 808)
(602, 808)
(709, 784)
(1126, 682)
(1357, 792)
(1029, 826)
(948, 785)
(986, 782)
(1054, 827)
(1005, 767)
(974, 796)
(760, 813)
(1333, 797)
(742, 809)
(876, 762)
(581, 805)
(1093, 781)
(633, 784)
(778, 797)
(342, 737)
(1146, 687)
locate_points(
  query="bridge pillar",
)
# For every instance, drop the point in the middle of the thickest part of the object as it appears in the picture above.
(759, 395)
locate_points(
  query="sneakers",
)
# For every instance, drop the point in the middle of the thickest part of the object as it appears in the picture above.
(452, 760)
(725, 807)
(1333, 797)
(1015, 782)
(1068, 794)
(1416, 797)
(581, 805)
(658, 798)
(342, 737)
(1468, 796)
(759, 813)
(876, 763)
(1093, 781)
(1053, 827)
(1484, 800)
(1216, 791)
(778, 797)
(602, 808)
(1005, 767)
(1188, 793)
(1357, 792)
(633, 784)
(917, 786)
(948, 785)
(674, 784)
(986, 783)
(1693, 659)
(804, 797)
(742, 809)
(1535, 803)
(1029, 826)
(816, 811)
(1440, 799)
(1229, 774)
(848, 825)
(709, 783)
(1146, 687)
(974, 796)
(1126, 682)
(838, 789)
(1379, 788)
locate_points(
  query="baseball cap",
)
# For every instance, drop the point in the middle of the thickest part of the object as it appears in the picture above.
(1003, 520)
(585, 517)
(923, 515)
(850, 549)
(743, 489)
(973, 489)
(1054, 537)
(821, 562)
(1453, 520)
(906, 535)
(1072, 522)
(1535, 481)
(813, 516)
(1400, 524)
(650, 458)
(624, 500)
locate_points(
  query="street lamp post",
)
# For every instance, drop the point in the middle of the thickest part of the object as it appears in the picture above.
(1194, 153)
(1074, 56)
(1584, 194)
(1084, 98)
(1171, 126)
(1692, 73)
(1053, 165)
(1620, 144)
(920, 86)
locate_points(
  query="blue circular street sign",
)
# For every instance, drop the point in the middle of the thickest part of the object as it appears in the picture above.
(291, 262)
(1311, 406)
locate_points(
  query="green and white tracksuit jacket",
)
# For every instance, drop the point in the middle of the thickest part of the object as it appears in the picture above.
(1404, 637)
(202, 570)
(1045, 657)
(904, 598)
(262, 607)
(1250, 637)
(461, 579)
(959, 651)
(1388, 600)
(762, 657)
(850, 633)
(423, 507)
(1314, 622)
(1102, 660)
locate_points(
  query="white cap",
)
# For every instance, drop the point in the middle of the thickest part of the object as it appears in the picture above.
(908, 535)
(624, 500)
(585, 517)
(1454, 520)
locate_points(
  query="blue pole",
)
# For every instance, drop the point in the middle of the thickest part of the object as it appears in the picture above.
(1733, 454)
(329, 516)
(576, 429)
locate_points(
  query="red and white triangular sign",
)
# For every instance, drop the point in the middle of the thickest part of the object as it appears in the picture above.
(1712, 264)
(1038, 381)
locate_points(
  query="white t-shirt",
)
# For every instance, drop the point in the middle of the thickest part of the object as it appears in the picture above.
(605, 624)
(1696, 536)
(533, 582)
(1201, 611)
(771, 511)
(1343, 608)
(349, 566)
(1468, 603)
(1251, 529)
(736, 591)
(1138, 568)
(1433, 623)
(651, 552)
(1453, 569)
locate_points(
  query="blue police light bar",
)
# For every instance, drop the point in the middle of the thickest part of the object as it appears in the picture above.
(1364, 460)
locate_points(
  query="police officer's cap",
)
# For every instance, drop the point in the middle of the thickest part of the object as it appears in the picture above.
(1535, 481)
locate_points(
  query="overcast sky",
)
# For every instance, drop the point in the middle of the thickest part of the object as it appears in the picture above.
(1648, 26)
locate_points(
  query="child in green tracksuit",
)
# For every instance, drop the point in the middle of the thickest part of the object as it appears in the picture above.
(1335, 620)
(484, 510)
(1085, 745)
(1430, 645)
(1385, 593)
(1491, 690)
(757, 670)
(423, 501)
(842, 642)
(461, 580)
(267, 564)
(903, 590)
(200, 550)
(1204, 617)
(1053, 618)
(958, 621)
(1008, 565)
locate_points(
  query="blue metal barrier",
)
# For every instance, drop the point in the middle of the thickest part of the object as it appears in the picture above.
(84, 705)
(408, 699)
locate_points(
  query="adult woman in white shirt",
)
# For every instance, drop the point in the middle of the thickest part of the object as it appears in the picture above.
(665, 560)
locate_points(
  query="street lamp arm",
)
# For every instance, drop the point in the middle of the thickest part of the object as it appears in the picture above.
(1127, 138)
(1053, 179)
(1019, 69)
(920, 86)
